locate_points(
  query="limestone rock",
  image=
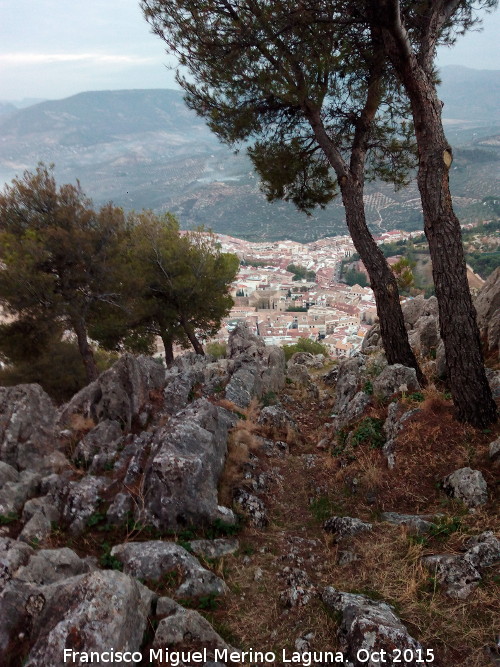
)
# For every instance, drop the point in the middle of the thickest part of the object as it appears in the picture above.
(494, 449)
(395, 378)
(121, 394)
(299, 589)
(367, 626)
(253, 507)
(352, 410)
(276, 417)
(27, 426)
(47, 566)
(349, 378)
(104, 438)
(214, 548)
(92, 612)
(151, 560)
(185, 629)
(416, 523)
(467, 485)
(345, 526)
(460, 574)
(487, 305)
(13, 495)
(13, 555)
(7, 474)
(83, 500)
(181, 477)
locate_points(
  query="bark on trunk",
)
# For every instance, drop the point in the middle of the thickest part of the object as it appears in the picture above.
(86, 353)
(198, 347)
(383, 283)
(382, 280)
(457, 316)
(168, 346)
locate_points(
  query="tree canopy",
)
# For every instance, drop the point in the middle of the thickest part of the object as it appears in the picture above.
(307, 87)
(58, 255)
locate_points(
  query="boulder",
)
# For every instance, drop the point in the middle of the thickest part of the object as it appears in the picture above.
(257, 369)
(345, 526)
(27, 427)
(92, 612)
(7, 474)
(372, 340)
(47, 566)
(121, 394)
(214, 548)
(181, 477)
(103, 439)
(182, 628)
(299, 590)
(494, 450)
(151, 560)
(367, 627)
(83, 500)
(461, 574)
(415, 523)
(425, 335)
(276, 417)
(13, 555)
(252, 506)
(352, 410)
(13, 495)
(348, 382)
(395, 379)
(414, 309)
(467, 485)
(487, 305)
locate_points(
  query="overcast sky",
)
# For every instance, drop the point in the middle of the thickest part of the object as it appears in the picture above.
(55, 48)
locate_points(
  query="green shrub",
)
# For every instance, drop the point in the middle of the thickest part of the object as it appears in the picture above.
(305, 345)
(217, 350)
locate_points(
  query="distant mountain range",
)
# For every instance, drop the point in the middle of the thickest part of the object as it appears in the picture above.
(146, 149)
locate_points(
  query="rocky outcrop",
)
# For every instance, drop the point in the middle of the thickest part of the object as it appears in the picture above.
(368, 627)
(121, 394)
(345, 526)
(467, 485)
(487, 305)
(93, 612)
(460, 574)
(181, 476)
(152, 560)
(395, 379)
(27, 427)
(257, 369)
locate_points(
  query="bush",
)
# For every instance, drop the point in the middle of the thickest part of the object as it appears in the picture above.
(217, 350)
(58, 369)
(305, 345)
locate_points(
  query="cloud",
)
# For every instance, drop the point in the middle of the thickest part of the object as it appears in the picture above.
(27, 58)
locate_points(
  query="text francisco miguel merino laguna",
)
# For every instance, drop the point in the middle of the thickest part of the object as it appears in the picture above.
(228, 656)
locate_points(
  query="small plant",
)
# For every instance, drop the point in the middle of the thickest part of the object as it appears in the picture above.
(416, 396)
(217, 350)
(369, 431)
(95, 518)
(269, 398)
(107, 561)
(6, 519)
(368, 387)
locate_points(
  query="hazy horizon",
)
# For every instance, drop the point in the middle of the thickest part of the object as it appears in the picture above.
(55, 50)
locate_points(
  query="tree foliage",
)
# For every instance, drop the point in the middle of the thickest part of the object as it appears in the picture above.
(57, 255)
(308, 89)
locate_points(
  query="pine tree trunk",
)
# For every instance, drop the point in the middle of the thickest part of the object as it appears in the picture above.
(197, 346)
(168, 346)
(382, 280)
(457, 316)
(86, 352)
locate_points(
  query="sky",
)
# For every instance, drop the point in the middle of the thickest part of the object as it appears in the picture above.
(51, 49)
